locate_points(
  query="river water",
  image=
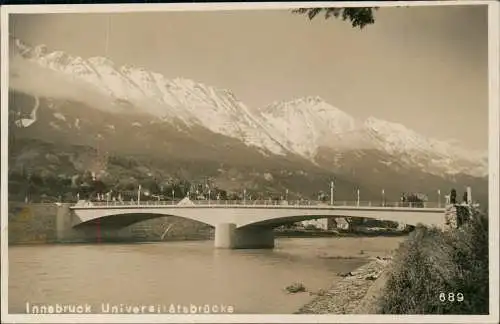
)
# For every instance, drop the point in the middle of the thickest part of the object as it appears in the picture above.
(184, 273)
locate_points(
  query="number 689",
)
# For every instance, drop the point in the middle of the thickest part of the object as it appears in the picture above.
(451, 297)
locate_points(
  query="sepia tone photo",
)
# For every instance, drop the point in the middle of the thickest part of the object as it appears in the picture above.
(293, 160)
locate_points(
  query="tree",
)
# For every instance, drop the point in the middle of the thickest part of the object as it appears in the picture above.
(222, 194)
(453, 196)
(359, 17)
(354, 222)
(233, 196)
(99, 186)
(151, 184)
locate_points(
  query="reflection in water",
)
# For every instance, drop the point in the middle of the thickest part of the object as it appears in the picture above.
(185, 273)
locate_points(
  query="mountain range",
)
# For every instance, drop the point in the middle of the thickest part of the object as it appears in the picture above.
(67, 100)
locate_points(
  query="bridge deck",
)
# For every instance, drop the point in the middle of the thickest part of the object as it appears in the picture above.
(398, 206)
(257, 213)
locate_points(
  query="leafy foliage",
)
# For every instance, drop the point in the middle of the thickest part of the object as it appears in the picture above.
(359, 17)
(432, 263)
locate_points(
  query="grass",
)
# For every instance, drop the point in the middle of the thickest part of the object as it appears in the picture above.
(432, 263)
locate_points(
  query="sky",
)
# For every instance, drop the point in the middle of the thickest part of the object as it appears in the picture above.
(423, 67)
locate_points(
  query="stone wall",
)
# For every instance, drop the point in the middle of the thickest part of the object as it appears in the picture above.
(32, 223)
(48, 223)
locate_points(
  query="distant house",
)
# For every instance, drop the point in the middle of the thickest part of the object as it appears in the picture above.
(328, 223)
(342, 223)
(321, 223)
(401, 226)
(185, 202)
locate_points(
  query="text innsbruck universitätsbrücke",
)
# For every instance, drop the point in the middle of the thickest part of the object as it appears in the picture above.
(110, 308)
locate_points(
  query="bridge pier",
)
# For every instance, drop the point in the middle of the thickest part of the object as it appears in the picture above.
(227, 236)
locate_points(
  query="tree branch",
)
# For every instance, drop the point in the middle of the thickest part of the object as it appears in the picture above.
(359, 17)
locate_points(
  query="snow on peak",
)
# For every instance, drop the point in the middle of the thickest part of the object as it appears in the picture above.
(307, 123)
(19, 46)
(397, 138)
(381, 125)
(99, 60)
(446, 156)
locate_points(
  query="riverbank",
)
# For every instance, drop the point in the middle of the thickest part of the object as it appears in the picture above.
(454, 263)
(354, 294)
(432, 265)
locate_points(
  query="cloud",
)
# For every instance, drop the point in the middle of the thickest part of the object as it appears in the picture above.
(31, 78)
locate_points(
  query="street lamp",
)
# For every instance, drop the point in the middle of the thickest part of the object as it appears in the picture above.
(139, 195)
(286, 195)
(383, 197)
(439, 198)
(173, 196)
(357, 202)
(332, 187)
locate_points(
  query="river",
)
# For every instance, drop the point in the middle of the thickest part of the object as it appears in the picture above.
(185, 273)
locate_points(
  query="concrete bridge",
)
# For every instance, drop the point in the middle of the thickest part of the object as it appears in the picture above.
(250, 225)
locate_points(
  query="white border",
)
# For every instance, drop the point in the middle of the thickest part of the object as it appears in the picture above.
(493, 146)
(494, 91)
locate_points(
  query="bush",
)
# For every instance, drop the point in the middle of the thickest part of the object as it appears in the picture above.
(295, 288)
(432, 262)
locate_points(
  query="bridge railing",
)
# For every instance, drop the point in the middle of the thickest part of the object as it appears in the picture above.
(262, 203)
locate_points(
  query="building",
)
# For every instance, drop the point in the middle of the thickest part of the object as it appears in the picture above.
(341, 223)
(322, 223)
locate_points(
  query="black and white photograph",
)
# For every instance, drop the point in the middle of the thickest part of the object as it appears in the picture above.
(250, 162)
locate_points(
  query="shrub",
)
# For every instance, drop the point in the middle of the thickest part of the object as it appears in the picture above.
(432, 262)
(295, 288)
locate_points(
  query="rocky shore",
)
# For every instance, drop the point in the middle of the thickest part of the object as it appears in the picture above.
(356, 293)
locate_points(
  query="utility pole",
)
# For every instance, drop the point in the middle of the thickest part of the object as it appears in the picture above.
(469, 195)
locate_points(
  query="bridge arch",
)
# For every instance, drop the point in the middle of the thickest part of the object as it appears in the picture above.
(285, 220)
(125, 219)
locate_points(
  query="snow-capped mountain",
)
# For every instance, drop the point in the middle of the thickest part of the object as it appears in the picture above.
(436, 156)
(306, 125)
(177, 100)
(299, 127)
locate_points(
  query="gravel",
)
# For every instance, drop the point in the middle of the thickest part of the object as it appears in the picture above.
(347, 296)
